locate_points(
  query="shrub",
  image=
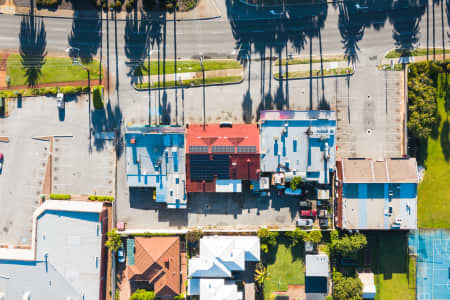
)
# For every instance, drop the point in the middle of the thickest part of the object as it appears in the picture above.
(349, 245)
(59, 196)
(295, 182)
(268, 238)
(194, 235)
(97, 96)
(142, 294)
(101, 198)
(47, 3)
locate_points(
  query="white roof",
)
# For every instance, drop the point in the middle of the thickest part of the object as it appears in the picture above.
(317, 265)
(368, 283)
(214, 289)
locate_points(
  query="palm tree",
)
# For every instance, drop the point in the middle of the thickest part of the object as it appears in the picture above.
(261, 274)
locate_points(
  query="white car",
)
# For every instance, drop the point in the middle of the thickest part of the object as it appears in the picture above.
(60, 101)
(305, 222)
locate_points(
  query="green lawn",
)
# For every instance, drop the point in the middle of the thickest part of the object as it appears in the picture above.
(55, 69)
(416, 52)
(316, 73)
(434, 190)
(191, 82)
(284, 267)
(389, 262)
(184, 66)
(304, 61)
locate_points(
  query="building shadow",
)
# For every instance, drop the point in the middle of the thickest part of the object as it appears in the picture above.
(86, 32)
(32, 49)
(107, 120)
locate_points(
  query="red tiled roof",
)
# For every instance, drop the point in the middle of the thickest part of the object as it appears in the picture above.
(158, 262)
(214, 135)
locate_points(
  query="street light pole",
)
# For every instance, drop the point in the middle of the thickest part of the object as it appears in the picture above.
(204, 103)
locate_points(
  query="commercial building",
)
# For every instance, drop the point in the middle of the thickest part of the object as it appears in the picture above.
(316, 277)
(298, 143)
(377, 194)
(154, 262)
(211, 275)
(155, 159)
(66, 258)
(221, 157)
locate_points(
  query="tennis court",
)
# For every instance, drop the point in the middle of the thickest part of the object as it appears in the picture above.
(433, 263)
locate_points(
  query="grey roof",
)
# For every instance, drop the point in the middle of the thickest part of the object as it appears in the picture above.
(157, 159)
(68, 259)
(304, 141)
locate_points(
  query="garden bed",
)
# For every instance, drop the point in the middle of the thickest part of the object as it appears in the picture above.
(185, 66)
(191, 82)
(315, 73)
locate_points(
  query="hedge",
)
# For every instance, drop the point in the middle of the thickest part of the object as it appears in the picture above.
(48, 91)
(97, 96)
(60, 196)
(101, 198)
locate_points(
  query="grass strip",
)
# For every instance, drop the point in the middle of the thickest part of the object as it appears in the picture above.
(190, 82)
(305, 61)
(54, 69)
(397, 53)
(184, 66)
(315, 73)
(46, 91)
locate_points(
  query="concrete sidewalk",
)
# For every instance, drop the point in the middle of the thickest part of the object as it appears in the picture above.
(205, 9)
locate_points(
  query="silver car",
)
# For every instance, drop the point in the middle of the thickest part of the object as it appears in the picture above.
(60, 101)
(305, 222)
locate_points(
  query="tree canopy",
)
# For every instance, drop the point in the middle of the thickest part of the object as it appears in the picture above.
(142, 294)
(348, 245)
(114, 241)
(295, 182)
(314, 236)
(346, 288)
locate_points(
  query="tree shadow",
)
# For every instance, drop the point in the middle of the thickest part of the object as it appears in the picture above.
(137, 32)
(445, 140)
(107, 120)
(33, 42)
(165, 109)
(247, 108)
(405, 21)
(86, 32)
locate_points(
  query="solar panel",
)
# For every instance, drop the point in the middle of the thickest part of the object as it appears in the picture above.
(228, 149)
(198, 149)
(246, 149)
(202, 168)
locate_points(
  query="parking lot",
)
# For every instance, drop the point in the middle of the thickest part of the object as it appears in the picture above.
(75, 169)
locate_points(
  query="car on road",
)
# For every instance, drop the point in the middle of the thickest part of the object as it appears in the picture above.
(60, 101)
(305, 222)
(1, 163)
(308, 213)
(305, 204)
(121, 255)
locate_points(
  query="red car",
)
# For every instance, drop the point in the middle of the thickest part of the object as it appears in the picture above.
(308, 213)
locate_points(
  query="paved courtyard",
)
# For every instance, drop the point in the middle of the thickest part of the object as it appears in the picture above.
(75, 169)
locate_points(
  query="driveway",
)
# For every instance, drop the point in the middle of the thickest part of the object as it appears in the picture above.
(75, 169)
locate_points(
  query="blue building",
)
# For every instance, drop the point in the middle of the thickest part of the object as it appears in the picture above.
(299, 143)
(155, 158)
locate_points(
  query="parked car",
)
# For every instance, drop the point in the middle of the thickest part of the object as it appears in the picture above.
(305, 204)
(305, 222)
(1, 163)
(323, 213)
(323, 223)
(308, 213)
(60, 101)
(121, 255)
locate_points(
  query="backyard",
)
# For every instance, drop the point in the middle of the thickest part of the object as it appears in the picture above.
(434, 190)
(390, 264)
(54, 69)
(285, 266)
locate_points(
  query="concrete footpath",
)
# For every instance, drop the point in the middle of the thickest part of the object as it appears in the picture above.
(205, 9)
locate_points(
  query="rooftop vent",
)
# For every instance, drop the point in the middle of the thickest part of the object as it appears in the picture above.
(133, 141)
(226, 124)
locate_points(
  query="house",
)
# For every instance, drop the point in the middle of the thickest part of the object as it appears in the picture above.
(155, 159)
(299, 143)
(369, 288)
(379, 195)
(221, 257)
(316, 277)
(219, 157)
(66, 258)
(156, 261)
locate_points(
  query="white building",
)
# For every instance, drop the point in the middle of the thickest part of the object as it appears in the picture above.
(211, 274)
